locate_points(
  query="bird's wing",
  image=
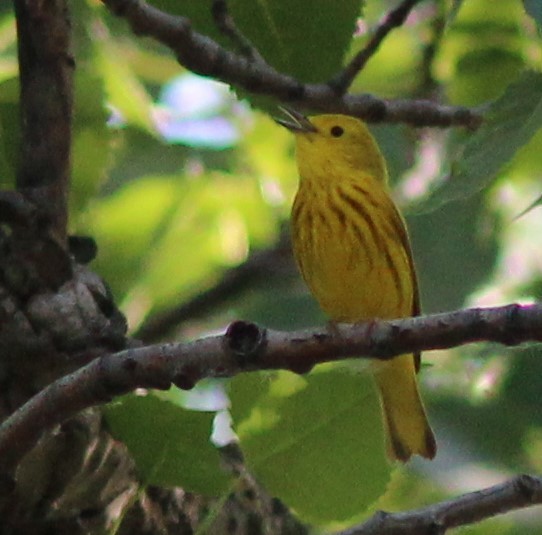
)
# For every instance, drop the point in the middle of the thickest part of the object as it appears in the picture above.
(400, 227)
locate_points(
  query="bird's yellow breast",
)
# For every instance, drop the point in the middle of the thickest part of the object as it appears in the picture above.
(350, 252)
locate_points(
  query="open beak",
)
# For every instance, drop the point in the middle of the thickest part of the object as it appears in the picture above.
(295, 121)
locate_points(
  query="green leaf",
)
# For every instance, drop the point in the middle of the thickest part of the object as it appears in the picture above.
(91, 140)
(287, 34)
(483, 51)
(509, 124)
(170, 445)
(466, 242)
(454, 10)
(218, 217)
(316, 442)
(126, 225)
(10, 131)
(8, 55)
(482, 75)
(124, 89)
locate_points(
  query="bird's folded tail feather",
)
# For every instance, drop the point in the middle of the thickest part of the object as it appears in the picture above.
(408, 430)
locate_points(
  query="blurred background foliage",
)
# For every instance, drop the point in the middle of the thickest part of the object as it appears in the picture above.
(186, 189)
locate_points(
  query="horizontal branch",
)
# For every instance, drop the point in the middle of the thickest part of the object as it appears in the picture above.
(521, 491)
(206, 57)
(247, 347)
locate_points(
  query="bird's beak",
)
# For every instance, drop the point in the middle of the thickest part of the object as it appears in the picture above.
(295, 121)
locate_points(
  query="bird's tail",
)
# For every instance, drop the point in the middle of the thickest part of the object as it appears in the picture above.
(408, 430)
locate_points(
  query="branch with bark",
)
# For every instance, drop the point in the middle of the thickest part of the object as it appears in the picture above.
(206, 57)
(519, 492)
(46, 69)
(248, 347)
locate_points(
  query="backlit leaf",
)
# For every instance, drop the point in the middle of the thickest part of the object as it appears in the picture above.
(170, 444)
(509, 124)
(316, 442)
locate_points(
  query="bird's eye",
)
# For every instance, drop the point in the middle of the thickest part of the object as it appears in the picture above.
(336, 131)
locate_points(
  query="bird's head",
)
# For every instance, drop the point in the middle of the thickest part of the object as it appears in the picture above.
(341, 142)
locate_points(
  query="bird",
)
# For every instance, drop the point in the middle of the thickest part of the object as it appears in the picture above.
(353, 250)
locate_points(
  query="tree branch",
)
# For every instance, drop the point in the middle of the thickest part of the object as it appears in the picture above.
(204, 56)
(247, 347)
(46, 79)
(226, 25)
(393, 19)
(519, 492)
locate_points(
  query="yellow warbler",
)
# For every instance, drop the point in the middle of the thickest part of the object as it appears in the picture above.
(352, 248)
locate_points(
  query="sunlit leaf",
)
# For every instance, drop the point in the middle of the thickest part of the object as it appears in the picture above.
(91, 140)
(315, 442)
(125, 226)
(454, 10)
(125, 91)
(218, 219)
(8, 32)
(482, 52)
(390, 74)
(8, 56)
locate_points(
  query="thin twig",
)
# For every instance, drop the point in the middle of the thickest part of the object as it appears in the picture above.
(428, 86)
(46, 88)
(225, 23)
(204, 56)
(247, 347)
(393, 19)
(519, 492)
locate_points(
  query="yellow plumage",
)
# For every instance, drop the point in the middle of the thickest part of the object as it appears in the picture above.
(353, 251)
